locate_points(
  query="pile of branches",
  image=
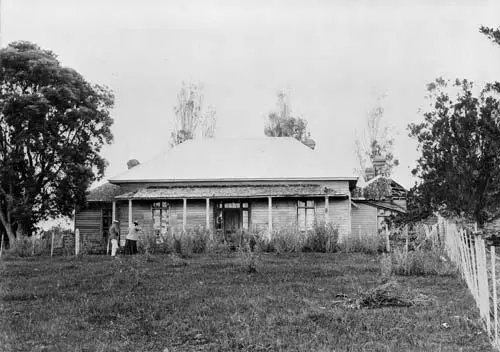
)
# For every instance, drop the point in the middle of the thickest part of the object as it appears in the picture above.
(390, 294)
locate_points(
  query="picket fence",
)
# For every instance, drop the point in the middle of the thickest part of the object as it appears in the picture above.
(477, 265)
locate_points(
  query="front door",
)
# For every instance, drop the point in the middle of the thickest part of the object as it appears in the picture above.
(232, 219)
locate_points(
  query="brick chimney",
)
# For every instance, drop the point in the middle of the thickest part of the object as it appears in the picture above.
(369, 173)
(132, 163)
(379, 165)
(310, 143)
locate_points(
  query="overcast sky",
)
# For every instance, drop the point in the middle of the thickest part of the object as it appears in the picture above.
(334, 57)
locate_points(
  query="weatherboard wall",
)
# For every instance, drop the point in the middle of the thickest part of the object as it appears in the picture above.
(364, 219)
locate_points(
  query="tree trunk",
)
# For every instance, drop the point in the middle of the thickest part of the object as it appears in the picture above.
(7, 226)
(19, 231)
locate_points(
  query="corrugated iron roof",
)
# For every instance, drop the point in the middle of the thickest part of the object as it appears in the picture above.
(271, 158)
(230, 192)
(386, 205)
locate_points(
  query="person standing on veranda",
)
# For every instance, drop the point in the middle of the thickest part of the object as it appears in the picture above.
(114, 236)
(131, 239)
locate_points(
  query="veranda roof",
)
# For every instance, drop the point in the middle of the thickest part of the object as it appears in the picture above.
(254, 191)
(103, 193)
(270, 158)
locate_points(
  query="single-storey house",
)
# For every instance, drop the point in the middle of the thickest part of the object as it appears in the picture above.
(224, 185)
(375, 202)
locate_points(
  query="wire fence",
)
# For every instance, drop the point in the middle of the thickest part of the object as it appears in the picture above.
(478, 266)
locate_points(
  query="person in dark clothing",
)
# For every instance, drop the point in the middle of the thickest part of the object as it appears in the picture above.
(131, 239)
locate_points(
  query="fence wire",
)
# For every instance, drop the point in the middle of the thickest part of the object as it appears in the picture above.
(478, 266)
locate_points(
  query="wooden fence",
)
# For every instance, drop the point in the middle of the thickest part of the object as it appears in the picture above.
(477, 265)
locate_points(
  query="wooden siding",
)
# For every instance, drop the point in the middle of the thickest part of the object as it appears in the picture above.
(285, 212)
(364, 219)
(143, 213)
(284, 215)
(196, 213)
(259, 214)
(89, 222)
(339, 214)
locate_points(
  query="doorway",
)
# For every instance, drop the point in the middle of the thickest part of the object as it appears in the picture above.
(232, 220)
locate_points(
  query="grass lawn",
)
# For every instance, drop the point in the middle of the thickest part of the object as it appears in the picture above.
(211, 303)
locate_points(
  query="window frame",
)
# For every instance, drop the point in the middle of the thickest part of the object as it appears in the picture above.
(304, 208)
(104, 215)
(163, 207)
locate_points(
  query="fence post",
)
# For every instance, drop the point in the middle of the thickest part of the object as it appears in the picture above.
(494, 283)
(473, 256)
(52, 244)
(387, 241)
(486, 289)
(406, 250)
(1, 246)
(77, 241)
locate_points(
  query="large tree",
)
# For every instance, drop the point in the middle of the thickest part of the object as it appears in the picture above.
(376, 140)
(191, 121)
(282, 123)
(459, 167)
(492, 33)
(53, 124)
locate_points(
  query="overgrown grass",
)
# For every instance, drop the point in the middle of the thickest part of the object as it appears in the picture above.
(358, 242)
(211, 303)
(422, 262)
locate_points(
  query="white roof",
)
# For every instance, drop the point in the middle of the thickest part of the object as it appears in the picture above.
(270, 158)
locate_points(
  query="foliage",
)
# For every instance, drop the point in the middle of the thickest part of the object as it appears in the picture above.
(201, 238)
(287, 240)
(492, 34)
(379, 189)
(190, 120)
(323, 238)
(283, 124)
(459, 142)
(248, 256)
(375, 141)
(28, 247)
(422, 262)
(358, 242)
(53, 124)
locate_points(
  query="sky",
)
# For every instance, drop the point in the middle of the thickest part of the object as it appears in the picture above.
(334, 58)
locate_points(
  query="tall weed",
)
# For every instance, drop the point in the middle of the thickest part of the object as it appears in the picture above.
(322, 238)
(422, 262)
(368, 243)
(28, 247)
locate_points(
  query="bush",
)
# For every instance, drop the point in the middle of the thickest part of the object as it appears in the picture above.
(248, 257)
(200, 239)
(322, 238)
(28, 247)
(421, 262)
(288, 240)
(363, 243)
(147, 243)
